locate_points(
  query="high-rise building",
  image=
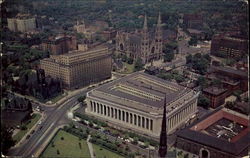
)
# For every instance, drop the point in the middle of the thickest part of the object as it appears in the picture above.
(22, 23)
(79, 68)
(141, 44)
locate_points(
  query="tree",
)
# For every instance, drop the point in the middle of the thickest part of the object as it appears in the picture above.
(203, 101)
(81, 99)
(139, 65)
(189, 59)
(193, 41)
(201, 81)
(168, 56)
(130, 60)
(6, 139)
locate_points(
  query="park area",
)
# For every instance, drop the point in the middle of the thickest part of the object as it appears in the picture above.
(101, 152)
(65, 144)
(26, 127)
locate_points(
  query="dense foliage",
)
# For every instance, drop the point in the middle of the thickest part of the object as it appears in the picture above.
(198, 62)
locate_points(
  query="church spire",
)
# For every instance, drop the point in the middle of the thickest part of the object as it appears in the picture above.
(159, 20)
(145, 25)
(163, 137)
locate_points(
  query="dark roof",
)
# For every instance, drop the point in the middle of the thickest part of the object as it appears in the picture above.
(14, 116)
(230, 70)
(233, 148)
(214, 90)
(138, 84)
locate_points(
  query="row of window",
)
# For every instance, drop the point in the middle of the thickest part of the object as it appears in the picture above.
(122, 115)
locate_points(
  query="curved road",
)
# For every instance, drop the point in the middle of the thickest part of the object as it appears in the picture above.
(54, 117)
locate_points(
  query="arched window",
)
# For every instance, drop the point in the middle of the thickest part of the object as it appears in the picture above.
(153, 50)
(121, 46)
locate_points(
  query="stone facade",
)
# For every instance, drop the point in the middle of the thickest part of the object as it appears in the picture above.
(127, 104)
(79, 68)
(22, 25)
(143, 44)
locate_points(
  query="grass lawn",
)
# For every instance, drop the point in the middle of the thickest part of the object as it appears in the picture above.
(29, 125)
(130, 68)
(101, 152)
(68, 147)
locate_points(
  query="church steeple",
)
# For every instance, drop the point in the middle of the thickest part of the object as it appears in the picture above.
(159, 20)
(163, 137)
(145, 25)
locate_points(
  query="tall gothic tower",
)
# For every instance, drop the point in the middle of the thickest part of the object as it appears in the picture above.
(158, 36)
(145, 40)
(163, 137)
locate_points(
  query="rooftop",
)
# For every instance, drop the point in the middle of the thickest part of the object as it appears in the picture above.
(140, 89)
(222, 129)
(214, 90)
(230, 70)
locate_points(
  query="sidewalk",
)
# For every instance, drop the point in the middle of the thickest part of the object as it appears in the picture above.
(34, 126)
(91, 151)
(44, 145)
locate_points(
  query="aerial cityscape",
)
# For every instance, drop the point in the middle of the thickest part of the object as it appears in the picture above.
(125, 79)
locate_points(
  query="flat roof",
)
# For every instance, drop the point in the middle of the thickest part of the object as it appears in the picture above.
(140, 88)
(214, 90)
(238, 143)
(230, 70)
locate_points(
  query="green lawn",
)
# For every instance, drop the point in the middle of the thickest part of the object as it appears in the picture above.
(29, 125)
(68, 147)
(104, 153)
(129, 68)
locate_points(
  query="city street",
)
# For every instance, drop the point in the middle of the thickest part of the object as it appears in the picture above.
(54, 117)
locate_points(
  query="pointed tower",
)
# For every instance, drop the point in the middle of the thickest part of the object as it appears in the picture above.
(145, 41)
(158, 37)
(163, 137)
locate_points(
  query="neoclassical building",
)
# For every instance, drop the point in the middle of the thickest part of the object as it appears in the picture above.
(135, 102)
(141, 44)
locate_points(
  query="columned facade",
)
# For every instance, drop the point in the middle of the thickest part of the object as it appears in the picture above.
(139, 121)
(128, 118)
(135, 103)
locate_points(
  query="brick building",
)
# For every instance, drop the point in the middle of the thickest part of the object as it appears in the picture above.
(193, 21)
(230, 78)
(229, 46)
(215, 95)
(59, 45)
(79, 68)
(220, 134)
